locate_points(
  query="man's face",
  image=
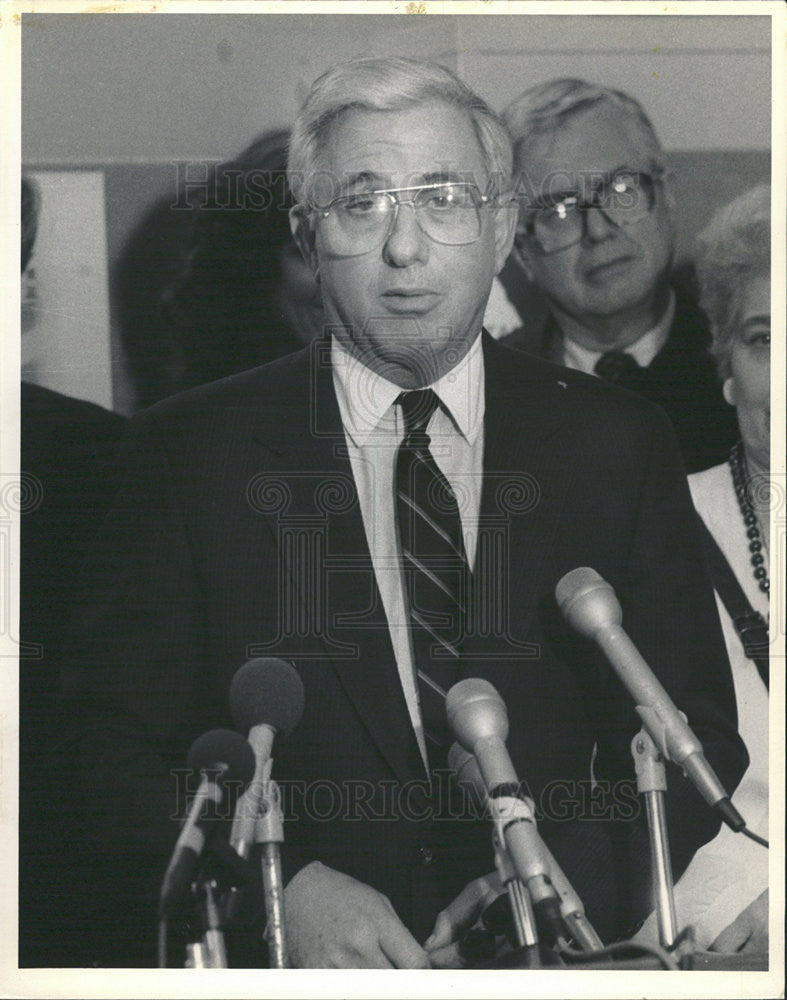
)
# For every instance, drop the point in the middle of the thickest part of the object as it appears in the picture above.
(411, 307)
(613, 271)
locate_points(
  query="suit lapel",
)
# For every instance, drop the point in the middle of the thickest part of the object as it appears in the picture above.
(523, 502)
(337, 589)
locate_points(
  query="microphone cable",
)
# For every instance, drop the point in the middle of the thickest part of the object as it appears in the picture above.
(754, 836)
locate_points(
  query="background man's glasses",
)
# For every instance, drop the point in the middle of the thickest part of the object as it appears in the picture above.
(559, 222)
(447, 213)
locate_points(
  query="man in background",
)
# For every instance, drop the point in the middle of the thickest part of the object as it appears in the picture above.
(596, 236)
(67, 448)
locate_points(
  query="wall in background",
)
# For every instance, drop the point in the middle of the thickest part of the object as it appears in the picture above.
(66, 309)
(133, 94)
(137, 87)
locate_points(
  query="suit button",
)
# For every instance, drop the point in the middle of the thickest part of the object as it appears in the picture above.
(427, 856)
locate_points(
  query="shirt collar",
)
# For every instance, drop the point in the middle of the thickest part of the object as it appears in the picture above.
(365, 397)
(643, 350)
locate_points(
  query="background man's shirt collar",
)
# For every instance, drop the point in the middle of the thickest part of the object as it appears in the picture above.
(643, 350)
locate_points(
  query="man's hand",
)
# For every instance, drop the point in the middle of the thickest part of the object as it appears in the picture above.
(336, 922)
(442, 945)
(748, 932)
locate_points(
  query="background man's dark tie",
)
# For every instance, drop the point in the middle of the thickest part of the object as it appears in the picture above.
(616, 366)
(436, 571)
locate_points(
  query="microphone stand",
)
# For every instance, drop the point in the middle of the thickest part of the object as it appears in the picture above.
(269, 833)
(518, 897)
(213, 951)
(528, 950)
(652, 784)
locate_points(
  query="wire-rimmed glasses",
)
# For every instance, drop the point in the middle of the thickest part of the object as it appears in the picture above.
(448, 213)
(560, 220)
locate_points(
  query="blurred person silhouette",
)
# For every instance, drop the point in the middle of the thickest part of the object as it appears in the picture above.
(66, 457)
(244, 296)
(724, 891)
(596, 236)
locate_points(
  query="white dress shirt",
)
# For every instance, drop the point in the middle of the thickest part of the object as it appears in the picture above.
(643, 350)
(374, 429)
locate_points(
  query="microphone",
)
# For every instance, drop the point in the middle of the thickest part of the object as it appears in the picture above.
(266, 698)
(571, 907)
(588, 603)
(477, 715)
(222, 756)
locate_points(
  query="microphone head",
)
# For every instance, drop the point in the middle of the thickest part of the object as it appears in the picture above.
(587, 602)
(223, 747)
(267, 691)
(476, 711)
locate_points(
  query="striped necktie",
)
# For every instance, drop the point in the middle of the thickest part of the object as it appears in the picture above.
(436, 572)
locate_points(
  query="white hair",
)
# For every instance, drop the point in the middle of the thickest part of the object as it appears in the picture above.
(734, 248)
(391, 84)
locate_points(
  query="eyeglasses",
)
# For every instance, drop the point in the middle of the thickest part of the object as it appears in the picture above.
(559, 222)
(448, 213)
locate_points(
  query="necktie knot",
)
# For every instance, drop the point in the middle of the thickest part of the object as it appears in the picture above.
(417, 406)
(616, 365)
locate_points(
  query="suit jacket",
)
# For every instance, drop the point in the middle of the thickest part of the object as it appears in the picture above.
(67, 448)
(681, 379)
(238, 533)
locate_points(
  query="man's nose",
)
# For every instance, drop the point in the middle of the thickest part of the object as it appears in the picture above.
(598, 226)
(406, 243)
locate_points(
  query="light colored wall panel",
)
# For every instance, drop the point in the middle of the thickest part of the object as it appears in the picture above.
(65, 345)
(148, 88)
(613, 33)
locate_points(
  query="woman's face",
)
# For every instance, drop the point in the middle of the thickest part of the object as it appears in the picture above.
(748, 387)
(298, 296)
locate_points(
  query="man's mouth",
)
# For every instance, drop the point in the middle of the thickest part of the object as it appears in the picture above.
(410, 300)
(605, 268)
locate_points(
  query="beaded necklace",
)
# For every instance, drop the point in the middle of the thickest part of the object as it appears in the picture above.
(740, 481)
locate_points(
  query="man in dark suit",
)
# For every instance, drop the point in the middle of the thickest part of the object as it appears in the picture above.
(596, 236)
(392, 509)
(67, 447)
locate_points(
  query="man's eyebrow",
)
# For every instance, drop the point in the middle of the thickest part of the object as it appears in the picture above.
(372, 181)
(364, 178)
(447, 177)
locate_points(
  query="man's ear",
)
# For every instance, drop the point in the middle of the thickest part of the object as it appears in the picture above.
(521, 254)
(670, 203)
(303, 234)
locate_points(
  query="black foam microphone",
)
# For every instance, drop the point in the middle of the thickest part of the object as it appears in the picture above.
(222, 757)
(477, 715)
(589, 604)
(266, 698)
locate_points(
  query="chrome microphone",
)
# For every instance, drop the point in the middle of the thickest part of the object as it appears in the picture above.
(477, 715)
(571, 907)
(589, 604)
